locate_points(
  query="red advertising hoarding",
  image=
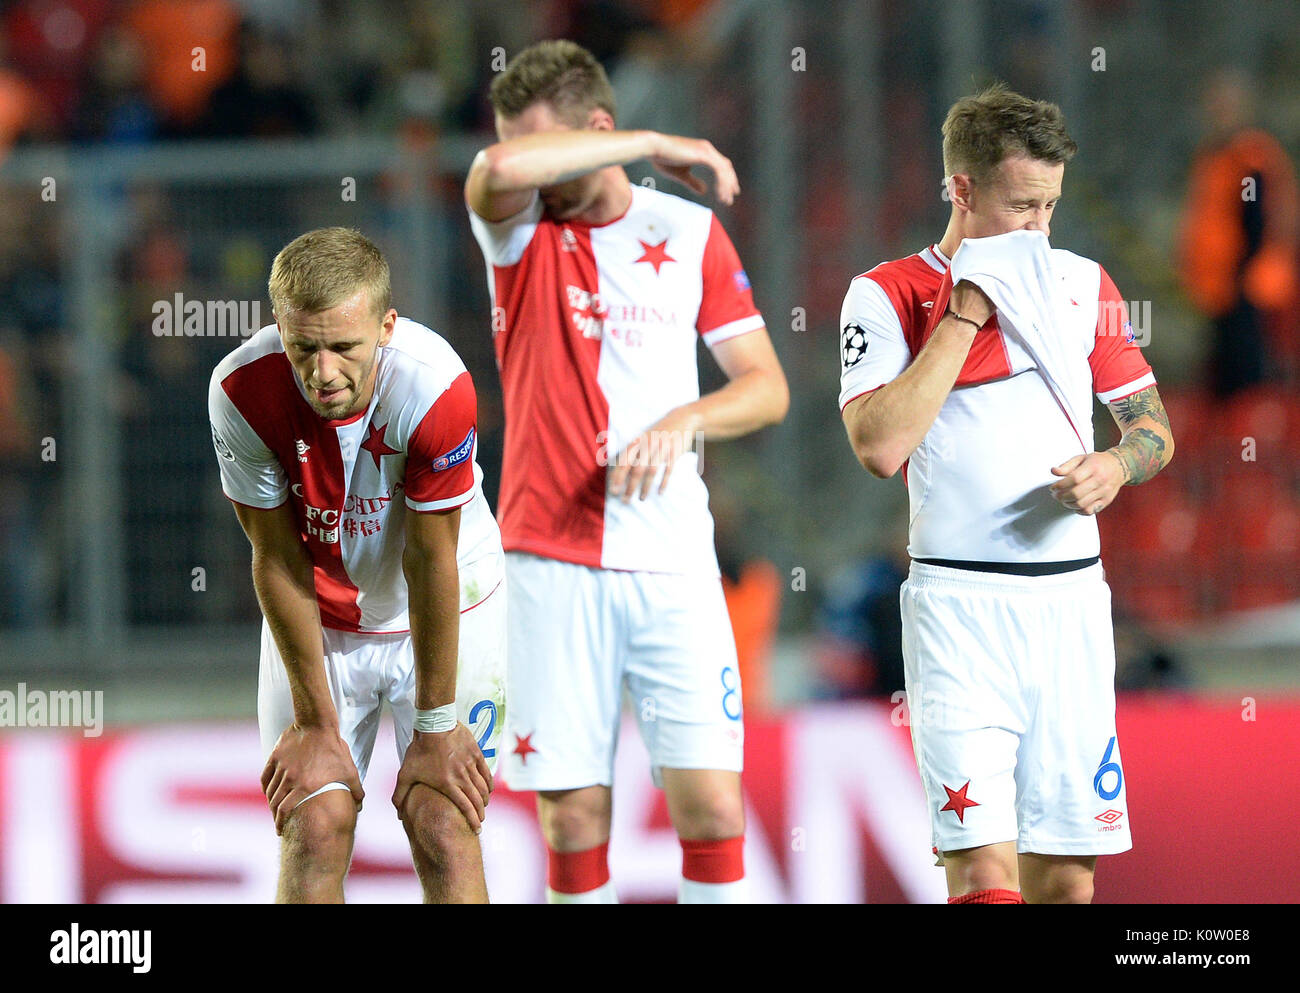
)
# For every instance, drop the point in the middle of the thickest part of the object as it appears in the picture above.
(834, 805)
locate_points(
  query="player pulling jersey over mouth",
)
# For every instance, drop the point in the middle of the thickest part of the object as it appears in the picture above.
(980, 390)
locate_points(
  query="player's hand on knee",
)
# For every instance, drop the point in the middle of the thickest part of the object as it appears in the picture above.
(304, 760)
(451, 763)
(1088, 483)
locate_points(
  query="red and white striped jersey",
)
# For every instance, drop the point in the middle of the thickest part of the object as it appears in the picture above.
(350, 481)
(978, 482)
(595, 329)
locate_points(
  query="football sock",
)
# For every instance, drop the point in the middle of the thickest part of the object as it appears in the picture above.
(579, 877)
(989, 896)
(713, 871)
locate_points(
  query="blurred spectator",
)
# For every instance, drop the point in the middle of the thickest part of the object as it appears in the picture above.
(115, 104)
(860, 650)
(752, 587)
(416, 83)
(263, 99)
(603, 27)
(860, 628)
(51, 43)
(167, 446)
(1142, 662)
(23, 112)
(753, 593)
(1238, 244)
(20, 530)
(190, 50)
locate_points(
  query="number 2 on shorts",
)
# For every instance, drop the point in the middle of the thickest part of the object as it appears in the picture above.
(487, 731)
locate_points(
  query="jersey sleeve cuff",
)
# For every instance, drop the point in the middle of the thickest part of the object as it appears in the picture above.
(851, 394)
(504, 241)
(732, 329)
(1128, 389)
(434, 506)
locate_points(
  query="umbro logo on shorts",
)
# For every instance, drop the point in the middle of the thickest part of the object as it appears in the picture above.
(1110, 820)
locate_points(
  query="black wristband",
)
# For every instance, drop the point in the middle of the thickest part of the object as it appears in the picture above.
(969, 320)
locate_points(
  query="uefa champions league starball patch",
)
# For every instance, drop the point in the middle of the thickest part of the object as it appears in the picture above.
(853, 344)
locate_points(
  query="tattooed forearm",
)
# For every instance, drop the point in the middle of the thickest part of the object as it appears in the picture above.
(1147, 443)
(1133, 408)
(1141, 453)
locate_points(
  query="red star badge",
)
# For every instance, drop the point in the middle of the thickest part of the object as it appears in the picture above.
(524, 748)
(656, 255)
(374, 443)
(957, 802)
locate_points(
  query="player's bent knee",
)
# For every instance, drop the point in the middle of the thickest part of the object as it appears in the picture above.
(1069, 889)
(1078, 891)
(983, 878)
(574, 820)
(318, 833)
(435, 826)
(992, 867)
(705, 805)
(711, 819)
(1058, 879)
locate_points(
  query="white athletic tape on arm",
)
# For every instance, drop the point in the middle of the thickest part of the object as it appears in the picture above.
(437, 720)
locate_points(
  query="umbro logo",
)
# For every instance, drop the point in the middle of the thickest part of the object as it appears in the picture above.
(928, 304)
(303, 448)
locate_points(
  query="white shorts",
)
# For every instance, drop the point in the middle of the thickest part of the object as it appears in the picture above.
(364, 670)
(579, 635)
(1011, 698)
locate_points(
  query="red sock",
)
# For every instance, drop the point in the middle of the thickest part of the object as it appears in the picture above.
(988, 896)
(714, 861)
(578, 872)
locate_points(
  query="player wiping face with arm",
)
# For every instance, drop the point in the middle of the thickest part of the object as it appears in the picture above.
(540, 154)
(602, 292)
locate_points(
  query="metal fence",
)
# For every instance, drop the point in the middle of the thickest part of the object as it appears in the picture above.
(110, 501)
(161, 259)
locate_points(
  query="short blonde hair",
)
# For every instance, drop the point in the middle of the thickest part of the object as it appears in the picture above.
(322, 268)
